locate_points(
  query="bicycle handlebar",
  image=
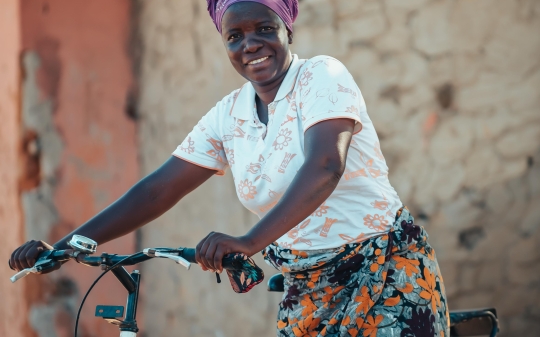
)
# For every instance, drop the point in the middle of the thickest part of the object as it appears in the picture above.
(49, 260)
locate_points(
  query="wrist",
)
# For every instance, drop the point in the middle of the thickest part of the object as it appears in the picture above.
(251, 244)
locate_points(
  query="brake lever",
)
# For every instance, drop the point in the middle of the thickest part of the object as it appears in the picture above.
(178, 259)
(40, 266)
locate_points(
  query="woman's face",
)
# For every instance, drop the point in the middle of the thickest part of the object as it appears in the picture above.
(257, 42)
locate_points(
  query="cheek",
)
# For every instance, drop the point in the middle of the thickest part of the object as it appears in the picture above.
(235, 57)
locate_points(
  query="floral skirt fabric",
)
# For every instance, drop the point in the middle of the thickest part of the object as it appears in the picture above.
(388, 285)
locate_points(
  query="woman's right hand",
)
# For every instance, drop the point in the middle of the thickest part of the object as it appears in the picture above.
(26, 255)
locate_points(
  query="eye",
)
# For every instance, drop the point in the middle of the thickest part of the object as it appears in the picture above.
(233, 37)
(266, 29)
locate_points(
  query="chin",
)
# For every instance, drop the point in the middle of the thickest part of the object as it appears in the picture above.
(262, 78)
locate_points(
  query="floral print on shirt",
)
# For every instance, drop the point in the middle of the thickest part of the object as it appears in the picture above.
(264, 159)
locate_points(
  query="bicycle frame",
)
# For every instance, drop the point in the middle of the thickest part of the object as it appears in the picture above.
(128, 326)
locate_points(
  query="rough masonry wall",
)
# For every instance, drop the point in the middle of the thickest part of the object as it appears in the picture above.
(79, 147)
(452, 87)
(14, 300)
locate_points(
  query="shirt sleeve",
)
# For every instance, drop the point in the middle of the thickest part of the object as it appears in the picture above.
(203, 145)
(328, 91)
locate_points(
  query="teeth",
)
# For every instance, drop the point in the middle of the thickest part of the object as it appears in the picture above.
(258, 61)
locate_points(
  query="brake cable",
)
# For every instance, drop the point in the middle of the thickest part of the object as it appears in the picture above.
(92, 286)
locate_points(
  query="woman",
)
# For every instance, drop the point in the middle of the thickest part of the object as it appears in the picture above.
(305, 157)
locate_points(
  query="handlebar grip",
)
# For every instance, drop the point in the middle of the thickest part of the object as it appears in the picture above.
(189, 254)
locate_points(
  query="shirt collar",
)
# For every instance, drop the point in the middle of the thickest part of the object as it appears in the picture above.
(244, 102)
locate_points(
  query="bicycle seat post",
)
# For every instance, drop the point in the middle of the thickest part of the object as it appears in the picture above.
(114, 314)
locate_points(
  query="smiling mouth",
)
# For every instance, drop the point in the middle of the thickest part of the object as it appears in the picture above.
(258, 60)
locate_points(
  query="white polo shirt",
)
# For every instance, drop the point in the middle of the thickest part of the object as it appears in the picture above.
(265, 159)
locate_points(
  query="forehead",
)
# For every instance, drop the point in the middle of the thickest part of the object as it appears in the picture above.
(246, 13)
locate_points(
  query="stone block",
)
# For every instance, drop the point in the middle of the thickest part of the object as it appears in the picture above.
(374, 75)
(514, 214)
(490, 90)
(450, 274)
(519, 143)
(387, 117)
(441, 182)
(520, 326)
(466, 67)
(461, 212)
(452, 141)
(444, 238)
(482, 167)
(397, 37)
(524, 251)
(513, 48)
(352, 9)
(498, 198)
(491, 123)
(475, 299)
(316, 13)
(524, 97)
(448, 181)
(395, 40)
(346, 8)
(526, 275)
(511, 301)
(420, 96)
(406, 5)
(441, 70)
(366, 27)
(415, 70)
(468, 277)
(490, 275)
(431, 34)
(359, 61)
(533, 178)
(307, 42)
(471, 23)
(519, 190)
(493, 246)
(513, 169)
(531, 218)
(401, 180)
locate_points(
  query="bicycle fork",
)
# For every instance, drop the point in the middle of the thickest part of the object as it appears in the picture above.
(111, 313)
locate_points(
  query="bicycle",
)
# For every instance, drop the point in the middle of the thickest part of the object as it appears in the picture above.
(462, 323)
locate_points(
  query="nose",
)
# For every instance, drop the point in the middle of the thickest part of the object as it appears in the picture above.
(252, 44)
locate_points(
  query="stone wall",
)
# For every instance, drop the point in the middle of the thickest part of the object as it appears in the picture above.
(452, 87)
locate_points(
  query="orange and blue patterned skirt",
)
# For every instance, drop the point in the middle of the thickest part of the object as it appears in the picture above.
(388, 285)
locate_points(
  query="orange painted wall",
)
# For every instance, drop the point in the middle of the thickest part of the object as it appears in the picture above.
(13, 299)
(85, 71)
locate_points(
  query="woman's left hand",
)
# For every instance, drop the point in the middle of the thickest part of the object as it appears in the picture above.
(211, 250)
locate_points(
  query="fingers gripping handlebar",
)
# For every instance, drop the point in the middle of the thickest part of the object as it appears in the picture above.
(228, 261)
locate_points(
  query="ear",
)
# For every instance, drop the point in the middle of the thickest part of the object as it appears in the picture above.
(290, 37)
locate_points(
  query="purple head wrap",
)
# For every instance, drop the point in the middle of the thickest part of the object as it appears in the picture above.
(287, 10)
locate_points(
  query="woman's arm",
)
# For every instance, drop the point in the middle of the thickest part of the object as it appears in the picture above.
(144, 202)
(326, 147)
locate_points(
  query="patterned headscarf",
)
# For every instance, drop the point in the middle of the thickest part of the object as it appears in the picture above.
(287, 10)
